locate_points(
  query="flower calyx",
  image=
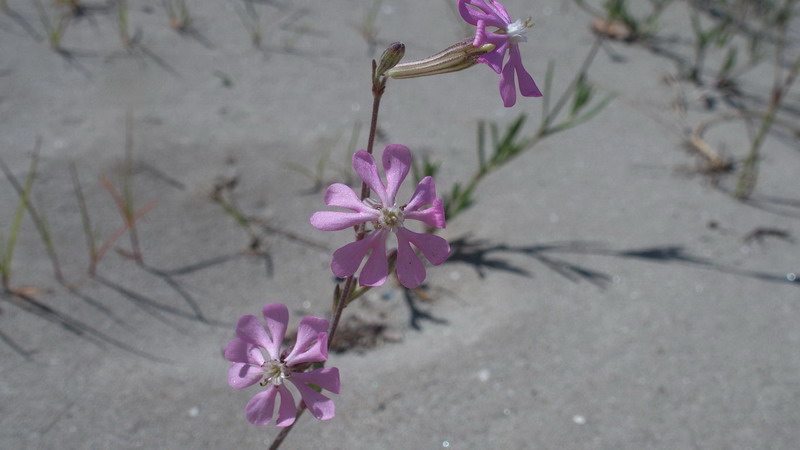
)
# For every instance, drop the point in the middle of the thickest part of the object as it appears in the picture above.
(459, 56)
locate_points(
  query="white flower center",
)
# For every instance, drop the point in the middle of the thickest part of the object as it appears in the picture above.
(275, 373)
(391, 217)
(517, 31)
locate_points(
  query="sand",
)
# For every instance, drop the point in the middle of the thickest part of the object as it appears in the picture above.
(607, 299)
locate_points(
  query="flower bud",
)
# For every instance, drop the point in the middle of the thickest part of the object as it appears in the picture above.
(390, 57)
(452, 59)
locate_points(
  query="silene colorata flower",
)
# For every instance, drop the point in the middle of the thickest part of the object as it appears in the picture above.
(256, 357)
(505, 37)
(386, 217)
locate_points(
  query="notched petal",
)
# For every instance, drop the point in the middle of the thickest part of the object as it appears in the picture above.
(376, 269)
(396, 160)
(276, 316)
(508, 89)
(287, 412)
(347, 259)
(240, 351)
(242, 375)
(366, 168)
(423, 195)
(410, 270)
(312, 342)
(319, 405)
(527, 87)
(436, 249)
(259, 409)
(433, 216)
(327, 378)
(338, 220)
(250, 329)
(343, 196)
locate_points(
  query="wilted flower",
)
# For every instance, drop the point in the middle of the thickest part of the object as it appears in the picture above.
(505, 37)
(459, 56)
(250, 365)
(386, 217)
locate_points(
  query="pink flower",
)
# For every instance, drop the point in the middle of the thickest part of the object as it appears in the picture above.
(250, 365)
(489, 13)
(386, 217)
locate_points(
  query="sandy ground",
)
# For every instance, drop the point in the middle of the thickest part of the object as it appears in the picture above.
(607, 299)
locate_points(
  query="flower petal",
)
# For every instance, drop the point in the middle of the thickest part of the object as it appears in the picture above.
(242, 375)
(494, 59)
(312, 342)
(240, 351)
(342, 195)
(287, 413)
(499, 10)
(347, 259)
(410, 270)
(338, 220)
(250, 330)
(470, 15)
(474, 10)
(320, 406)
(527, 87)
(480, 33)
(508, 89)
(423, 195)
(327, 378)
(396, 160)
(277, 317)
(365, 167)
(433, 216)
(259, 408)
(436, 249)
(376, 269)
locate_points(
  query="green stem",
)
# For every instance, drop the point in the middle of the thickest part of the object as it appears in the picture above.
(552, 114)
(5, 267)
(91, 242)
(39, 221)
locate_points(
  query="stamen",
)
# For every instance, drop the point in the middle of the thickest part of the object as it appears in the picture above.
(372, 203)
(275, 373)
(517, 30)
(390, 217)
(529, 22)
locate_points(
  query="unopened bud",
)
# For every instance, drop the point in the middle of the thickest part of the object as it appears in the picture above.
(452, 59)
(390, 57)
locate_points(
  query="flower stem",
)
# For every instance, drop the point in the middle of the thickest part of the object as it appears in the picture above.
(285, 432)
(341, 304)
(343, 299)
(378, 87)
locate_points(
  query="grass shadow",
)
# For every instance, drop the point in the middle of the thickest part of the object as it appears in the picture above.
(485, 255)
(31, 305)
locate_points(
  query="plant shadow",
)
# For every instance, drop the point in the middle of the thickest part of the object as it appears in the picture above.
(485, 255)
